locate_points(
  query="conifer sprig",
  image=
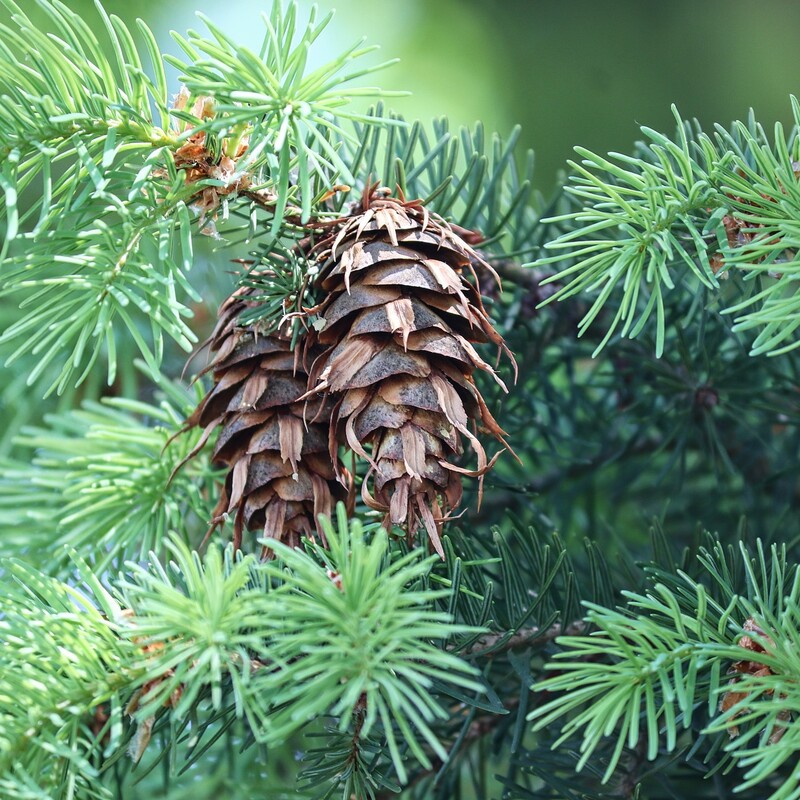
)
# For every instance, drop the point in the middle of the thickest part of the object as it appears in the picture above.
(368, 641)
(649, 668)
(59, 80)
(345, 632)
(688, 209)
(125, 180)
(120, 274)
(84, 132)
(66, 103)
(99, 483)
(60, 660)
(291, 115)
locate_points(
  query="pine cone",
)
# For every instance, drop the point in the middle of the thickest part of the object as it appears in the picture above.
(275, 445)
(400, 320)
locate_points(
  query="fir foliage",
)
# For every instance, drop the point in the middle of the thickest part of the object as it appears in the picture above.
(100, 483)
(648, 667)
(111, 176)
(217, 640)
(658, 218)
(143, 658)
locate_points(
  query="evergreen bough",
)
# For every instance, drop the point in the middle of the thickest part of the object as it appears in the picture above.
(577, 634)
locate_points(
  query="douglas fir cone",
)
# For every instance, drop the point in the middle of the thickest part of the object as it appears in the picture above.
(399, 320)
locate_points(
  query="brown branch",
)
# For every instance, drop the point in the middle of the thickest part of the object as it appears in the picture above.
(495, 643)
(359, 715)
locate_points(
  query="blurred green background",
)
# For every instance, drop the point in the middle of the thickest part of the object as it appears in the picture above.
(569, 71)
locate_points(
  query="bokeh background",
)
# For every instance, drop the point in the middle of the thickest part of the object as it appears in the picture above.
(569, 71)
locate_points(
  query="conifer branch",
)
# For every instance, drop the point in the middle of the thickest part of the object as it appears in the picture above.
(99, 483)
(665, 655)
(693, 209)
(233, 635)
(139, 169)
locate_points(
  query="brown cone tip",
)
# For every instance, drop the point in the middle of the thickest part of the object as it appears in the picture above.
(400, 321)
(280, 477)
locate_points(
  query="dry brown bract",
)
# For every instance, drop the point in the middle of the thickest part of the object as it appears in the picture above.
(741, 233)
(748, 667)
(399, 322)
(199, 163)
